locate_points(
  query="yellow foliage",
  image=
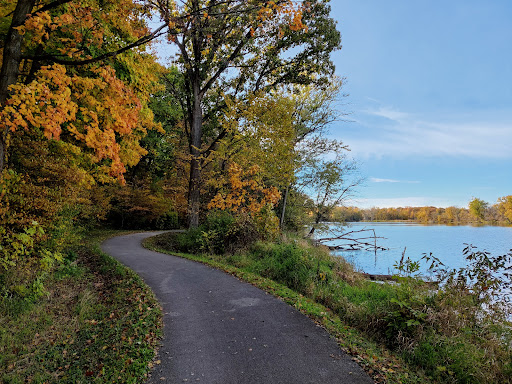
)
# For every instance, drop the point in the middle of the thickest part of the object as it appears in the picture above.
(99, 111)
(244, 192)
(505, 207)
(262, 132)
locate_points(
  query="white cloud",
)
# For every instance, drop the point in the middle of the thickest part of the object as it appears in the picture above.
(403, 134)
(389, 113)
(402, 202)
(377, 180)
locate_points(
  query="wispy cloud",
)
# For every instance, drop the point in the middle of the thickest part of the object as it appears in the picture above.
(399, 134)
(377, 180)
(389, 113)
(401, 202)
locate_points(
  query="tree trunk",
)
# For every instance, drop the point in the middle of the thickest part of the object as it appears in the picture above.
(11, 62)
(281, 223)
(194, 192)
(2, 154)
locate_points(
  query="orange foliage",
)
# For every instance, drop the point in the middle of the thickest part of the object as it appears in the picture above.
(244, 192)
(77, 24)
(99, 111)
(45, 103)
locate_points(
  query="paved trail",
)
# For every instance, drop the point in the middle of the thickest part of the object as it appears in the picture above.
(219, 330)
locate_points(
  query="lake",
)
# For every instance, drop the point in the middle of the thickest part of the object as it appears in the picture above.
(444, 242)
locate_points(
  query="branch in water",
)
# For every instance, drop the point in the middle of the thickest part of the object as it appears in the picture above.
(368, 243)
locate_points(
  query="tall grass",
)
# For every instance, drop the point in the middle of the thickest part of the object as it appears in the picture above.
(453, 331)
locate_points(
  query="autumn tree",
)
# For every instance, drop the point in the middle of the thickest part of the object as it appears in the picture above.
(259, 132)
(315, 109)
(47, 46)
(505, 207)
(477, 208)
(74, 90)
(283, 132)
(329, 183)
(236, 48)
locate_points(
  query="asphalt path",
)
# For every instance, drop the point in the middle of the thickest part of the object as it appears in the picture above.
(220, 330)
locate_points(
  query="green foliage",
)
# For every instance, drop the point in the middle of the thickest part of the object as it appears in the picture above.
(24, 252)
(226, 233)
(456, 329)
(296, 216)
(477, 208)
(288, 264)
(137, 207)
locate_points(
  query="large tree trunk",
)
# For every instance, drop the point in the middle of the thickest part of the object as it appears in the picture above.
(194, 192)
(11, 62)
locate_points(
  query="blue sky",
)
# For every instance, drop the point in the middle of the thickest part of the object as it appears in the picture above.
(429, 87)
(430, 99)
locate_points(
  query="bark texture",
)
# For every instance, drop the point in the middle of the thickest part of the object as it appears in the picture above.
(11, 63)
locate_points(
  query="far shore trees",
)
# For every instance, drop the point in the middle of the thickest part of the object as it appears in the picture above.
(477, 208)
(505, 207)
(479, 212)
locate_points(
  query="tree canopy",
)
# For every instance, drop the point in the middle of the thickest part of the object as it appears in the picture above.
(94, 130)
(235, 48)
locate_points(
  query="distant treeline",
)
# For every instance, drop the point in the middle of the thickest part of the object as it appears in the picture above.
(479, 212)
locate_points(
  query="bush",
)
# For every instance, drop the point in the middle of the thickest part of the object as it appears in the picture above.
(25, 254)
(223, 233)
(287, 264)
(459, 329)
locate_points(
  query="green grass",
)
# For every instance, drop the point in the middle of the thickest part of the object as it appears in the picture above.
(382, 365)
(97, 322)
(401, 331)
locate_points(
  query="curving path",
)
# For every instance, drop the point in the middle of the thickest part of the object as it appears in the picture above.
(218, 329)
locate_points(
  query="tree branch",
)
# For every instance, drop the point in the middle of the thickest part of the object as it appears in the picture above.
(143, 40)
(52, 5)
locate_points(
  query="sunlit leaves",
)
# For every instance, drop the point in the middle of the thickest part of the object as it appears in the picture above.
(505, 207)
(99, 111)
(42, 104)
(262, 132)
(244, 192)
(477, 208)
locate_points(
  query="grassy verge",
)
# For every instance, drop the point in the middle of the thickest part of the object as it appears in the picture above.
(95, 322)
(382, 365)
(454, 332)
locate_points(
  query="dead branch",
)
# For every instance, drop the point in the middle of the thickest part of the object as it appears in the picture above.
(351, 243)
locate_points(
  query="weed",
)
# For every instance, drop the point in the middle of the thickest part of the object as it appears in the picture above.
(100, 324)
(455, 329)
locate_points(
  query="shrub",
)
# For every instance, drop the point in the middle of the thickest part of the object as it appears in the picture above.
(286, 263)
(23, 260)
(224, 233)
(25, 254)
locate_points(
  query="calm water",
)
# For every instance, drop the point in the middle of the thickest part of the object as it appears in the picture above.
(444, 242)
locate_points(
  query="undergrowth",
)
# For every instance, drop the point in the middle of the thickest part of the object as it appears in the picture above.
(95, 321)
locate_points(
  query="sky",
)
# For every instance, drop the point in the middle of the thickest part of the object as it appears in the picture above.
(429, 105)
(429, 102)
